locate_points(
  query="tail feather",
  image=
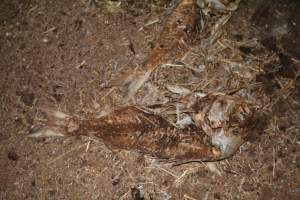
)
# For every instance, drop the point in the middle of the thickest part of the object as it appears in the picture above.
(55, 126)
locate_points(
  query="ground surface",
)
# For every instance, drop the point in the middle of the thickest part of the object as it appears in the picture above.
(64, 53)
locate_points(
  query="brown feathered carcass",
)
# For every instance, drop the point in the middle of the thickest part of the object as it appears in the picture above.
(219, 124)
(216, 133)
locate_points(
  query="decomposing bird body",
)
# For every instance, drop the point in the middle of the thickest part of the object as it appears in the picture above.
(131, 128)
(218, 122)
(179, 32)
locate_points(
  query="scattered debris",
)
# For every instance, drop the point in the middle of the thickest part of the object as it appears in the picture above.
(178, 90)
(137, 193)
(27, 98)
(212, 166)
(13, 156)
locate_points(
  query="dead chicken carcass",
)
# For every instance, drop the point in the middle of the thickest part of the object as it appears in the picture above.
(215, 134)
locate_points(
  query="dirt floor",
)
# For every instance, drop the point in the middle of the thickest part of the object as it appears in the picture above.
(65, 54)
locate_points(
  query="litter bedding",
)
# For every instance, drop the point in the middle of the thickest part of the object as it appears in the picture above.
(215, 97)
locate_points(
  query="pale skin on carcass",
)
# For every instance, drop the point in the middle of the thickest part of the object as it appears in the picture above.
(179, 32)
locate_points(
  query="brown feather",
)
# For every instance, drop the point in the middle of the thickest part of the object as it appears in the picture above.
(179, 32)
